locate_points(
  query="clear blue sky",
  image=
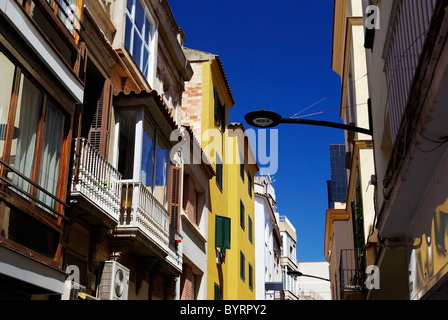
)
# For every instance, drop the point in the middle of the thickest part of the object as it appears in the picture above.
(277, 56)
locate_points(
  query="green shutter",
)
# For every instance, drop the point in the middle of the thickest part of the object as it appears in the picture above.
(222, 232)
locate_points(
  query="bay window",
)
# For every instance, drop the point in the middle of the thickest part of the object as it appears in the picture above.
(139, 135)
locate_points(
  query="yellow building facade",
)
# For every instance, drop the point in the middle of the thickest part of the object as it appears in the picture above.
(230, 244)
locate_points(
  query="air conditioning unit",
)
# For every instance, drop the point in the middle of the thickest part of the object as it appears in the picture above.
(114, 284)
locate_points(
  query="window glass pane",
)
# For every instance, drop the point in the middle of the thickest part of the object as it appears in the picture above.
(148, 154)
(146, 31)
(161, 172)
(126, 143)
(145, 63)
(242, 266)
(137, 48)
(242, 215)
(137, 35)
(139, 16)
(6, 83)
(65, 13)
(51, 153)
(128, 33)
(27, 118)
(27, 231)
(129, 5)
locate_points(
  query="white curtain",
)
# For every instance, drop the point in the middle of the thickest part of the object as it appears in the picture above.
(27, 118)
(6, 81)
(51, 153)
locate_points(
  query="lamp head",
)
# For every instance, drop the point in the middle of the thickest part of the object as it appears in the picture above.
(263, 119)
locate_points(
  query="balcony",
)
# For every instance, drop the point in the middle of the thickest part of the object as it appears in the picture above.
(147, 223)
(352, 274)
(95, 186)
(402, 50)
(59, 23)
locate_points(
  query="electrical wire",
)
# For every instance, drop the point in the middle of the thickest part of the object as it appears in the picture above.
(327, 97)
(326, 111)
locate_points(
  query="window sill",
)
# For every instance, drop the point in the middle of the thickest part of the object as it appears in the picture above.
(192, 226)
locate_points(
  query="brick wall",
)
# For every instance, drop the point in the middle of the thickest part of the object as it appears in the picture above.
(186, 283)
(192, 101)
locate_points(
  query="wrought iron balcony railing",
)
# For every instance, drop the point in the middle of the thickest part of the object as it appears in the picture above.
(351, 270)
(140, 209)
(407, 32)
(95, 178)
(142, 213)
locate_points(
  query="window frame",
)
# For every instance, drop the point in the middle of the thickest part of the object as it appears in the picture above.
(219, 172)
(249, 228)
(220, 112)
(242, 216)
(223, 242)
(141, 117)
(242, 169)
(48, 97)
(251, 276)
(242, 266)
(58, 100)
(148, 44)
(249, 184)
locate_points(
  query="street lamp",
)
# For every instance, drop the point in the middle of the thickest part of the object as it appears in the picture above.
(269, 119)
(295, 273)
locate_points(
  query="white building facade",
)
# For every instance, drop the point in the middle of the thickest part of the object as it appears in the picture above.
(314, 284)
(288, 259)
(267, 239)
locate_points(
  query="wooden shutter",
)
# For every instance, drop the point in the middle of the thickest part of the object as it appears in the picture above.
(222, 232)
(99, 130)
(174, 185)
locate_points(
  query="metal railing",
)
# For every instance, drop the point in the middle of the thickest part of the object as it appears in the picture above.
(407, 32)
(139, 208)
(351, 270)
(59, 205)
(68, 13)
(96, 178)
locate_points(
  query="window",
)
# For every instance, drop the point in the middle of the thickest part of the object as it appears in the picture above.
(242, 266)
(242, 167)
(138, 35)
(161, 171)
(33, 139)
(218, 292)
(220, 112)
(219, 172)
(65, 13)
(242, 218)
(251, 275)
(126, 143)
(29, 232)
(249, 226)
(222, 232)
(155, 154)
(249, 184)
